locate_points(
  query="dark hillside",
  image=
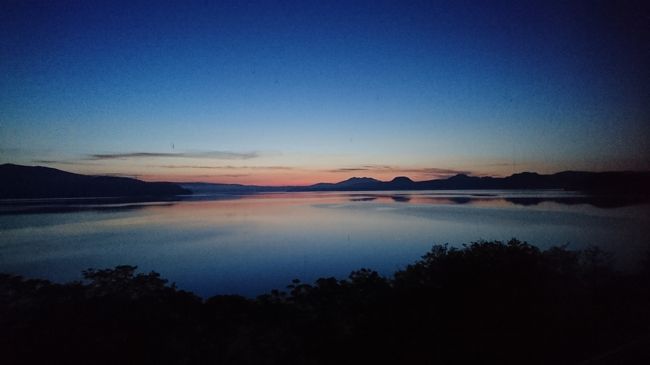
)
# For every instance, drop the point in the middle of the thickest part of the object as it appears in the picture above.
(20, 182)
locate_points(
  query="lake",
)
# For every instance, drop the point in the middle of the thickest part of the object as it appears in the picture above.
(251, 244)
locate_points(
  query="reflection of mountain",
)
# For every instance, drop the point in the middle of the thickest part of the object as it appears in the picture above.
(364, 199)
(461, 200)
(40, 206)
(401, 198)
(31, 182)
(607, 201)
(600, 201)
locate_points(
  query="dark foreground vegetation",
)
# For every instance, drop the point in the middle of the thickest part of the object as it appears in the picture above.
(489, 302)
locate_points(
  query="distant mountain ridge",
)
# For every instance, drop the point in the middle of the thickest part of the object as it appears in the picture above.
(32, 182)
(351, 183)
(618, 182)
(18, 181)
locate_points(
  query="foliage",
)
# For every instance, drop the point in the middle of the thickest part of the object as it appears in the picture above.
(485, 302)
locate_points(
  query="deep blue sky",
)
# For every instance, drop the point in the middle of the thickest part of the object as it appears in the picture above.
(306, 91)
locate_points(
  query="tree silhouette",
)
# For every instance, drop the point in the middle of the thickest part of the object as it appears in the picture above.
(484, 302)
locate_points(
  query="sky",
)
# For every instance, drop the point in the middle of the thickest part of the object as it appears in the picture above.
(293, 93)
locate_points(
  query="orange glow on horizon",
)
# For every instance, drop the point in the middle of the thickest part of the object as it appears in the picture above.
(274, 175)
(291, 178)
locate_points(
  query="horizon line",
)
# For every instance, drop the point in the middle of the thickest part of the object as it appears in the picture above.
(156, 178)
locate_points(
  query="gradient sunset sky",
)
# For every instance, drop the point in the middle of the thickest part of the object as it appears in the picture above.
(301, 92)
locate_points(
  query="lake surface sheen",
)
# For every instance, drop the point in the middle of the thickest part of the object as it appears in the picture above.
(253, 243)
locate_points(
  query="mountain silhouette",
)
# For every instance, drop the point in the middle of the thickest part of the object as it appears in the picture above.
(612, 183)
(624, 182)
(43, 182)
(354, 183)
(22, 182)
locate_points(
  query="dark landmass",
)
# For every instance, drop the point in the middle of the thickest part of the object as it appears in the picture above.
(619, 183)
(216, 188)
(33, 182)
(489, 302)
(624, 181)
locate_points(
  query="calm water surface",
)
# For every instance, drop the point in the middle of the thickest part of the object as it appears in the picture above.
(251, 244)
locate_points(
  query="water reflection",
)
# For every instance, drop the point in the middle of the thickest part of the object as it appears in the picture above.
(364, 199)
(63, 205)
(252, 243)
(499, 198)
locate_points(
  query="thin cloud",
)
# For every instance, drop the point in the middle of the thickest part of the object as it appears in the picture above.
(437, 171)
(221, 155)
(232, 175)
(224, 155)
(117, 174)
(123, 156)
(62, 162)
(229, 167)
(431, 171)
(352, 169)
(378, 167)
(498, 164)
(55, 162)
